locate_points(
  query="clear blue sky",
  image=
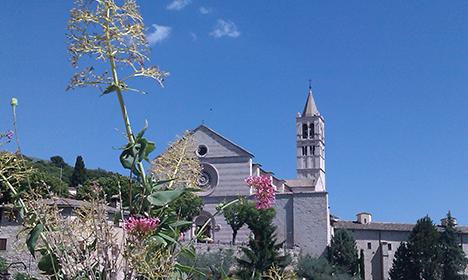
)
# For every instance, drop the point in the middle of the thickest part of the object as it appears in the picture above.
(389, 77)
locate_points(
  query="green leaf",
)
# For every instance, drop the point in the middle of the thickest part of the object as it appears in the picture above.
(187, 269)
(159, 240)
(127, 157)
(47, 263)
(188, 252)
(142, 131)
(33, 235)
(181, 224)
(167, 237)
(162, 198)
(110, 89)
(135, 153)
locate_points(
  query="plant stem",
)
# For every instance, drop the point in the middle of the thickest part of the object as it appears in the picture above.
(18, 149)
(116, 83)
(210, 219)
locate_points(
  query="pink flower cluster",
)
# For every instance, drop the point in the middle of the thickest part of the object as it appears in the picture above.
(139, 226)
(264, 190)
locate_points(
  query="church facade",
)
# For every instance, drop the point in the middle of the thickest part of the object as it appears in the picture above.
(302, 210)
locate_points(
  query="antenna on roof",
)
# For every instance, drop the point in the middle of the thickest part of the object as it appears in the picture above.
(310, 84)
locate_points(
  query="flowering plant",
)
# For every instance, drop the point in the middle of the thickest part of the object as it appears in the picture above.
(264, 190)
(140, 226)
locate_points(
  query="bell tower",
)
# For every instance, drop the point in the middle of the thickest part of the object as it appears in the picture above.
(310, 143)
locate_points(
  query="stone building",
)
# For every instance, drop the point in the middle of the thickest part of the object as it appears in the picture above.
(379, 241)
(13, 236)
(303, 216)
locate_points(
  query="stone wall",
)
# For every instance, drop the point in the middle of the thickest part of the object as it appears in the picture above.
(16, 250)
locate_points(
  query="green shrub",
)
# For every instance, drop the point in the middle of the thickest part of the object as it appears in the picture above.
(215, 265)
(319, 269)
(3, 264)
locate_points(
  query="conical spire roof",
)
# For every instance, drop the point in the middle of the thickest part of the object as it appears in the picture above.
(310, 109)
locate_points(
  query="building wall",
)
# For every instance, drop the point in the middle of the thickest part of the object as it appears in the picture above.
(231, 175)
(378, 257)
(311, 222)
(16, 250)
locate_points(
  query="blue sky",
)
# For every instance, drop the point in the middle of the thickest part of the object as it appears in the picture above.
(389, 77)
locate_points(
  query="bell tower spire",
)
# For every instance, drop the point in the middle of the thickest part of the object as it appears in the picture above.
(310, 143)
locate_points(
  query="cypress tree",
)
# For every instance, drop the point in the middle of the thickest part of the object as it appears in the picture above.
(362, 270)
(79, 173)
(401, 268)
(343, 252)
(453, 258)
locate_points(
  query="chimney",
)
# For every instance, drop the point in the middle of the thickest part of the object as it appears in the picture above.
(364, 218)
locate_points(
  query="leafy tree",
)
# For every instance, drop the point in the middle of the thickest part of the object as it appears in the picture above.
(401, 268)
(58, 161)
(263, 250)
(453, 258)
(79, 173)
(187, 207)
(236, 216)
(45, 184)
(343, 252)
(108, 186)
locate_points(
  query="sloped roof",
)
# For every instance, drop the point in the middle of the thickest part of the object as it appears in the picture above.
(350, 225)
(310, 109)
(202, 126)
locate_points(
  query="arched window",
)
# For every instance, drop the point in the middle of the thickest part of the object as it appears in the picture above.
(305, 131)
(208, 231)
(311, 130)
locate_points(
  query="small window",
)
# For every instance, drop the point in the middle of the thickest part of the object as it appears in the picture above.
(304, 151)
(312, 150)
(311, 130)
(202, 150)
(389, 246)
(365, 220)
(369, 245)
(305, 131)
(3, 244)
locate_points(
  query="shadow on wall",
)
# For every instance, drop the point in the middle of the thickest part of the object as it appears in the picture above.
(376, 263)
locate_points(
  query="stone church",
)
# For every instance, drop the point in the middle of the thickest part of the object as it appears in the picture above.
(303, 214)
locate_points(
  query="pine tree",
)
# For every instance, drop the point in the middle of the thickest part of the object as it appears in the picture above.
(343, 252)
(401, 263)
(263, 251)
(453, 258)
(79, 173)
(424, 250)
